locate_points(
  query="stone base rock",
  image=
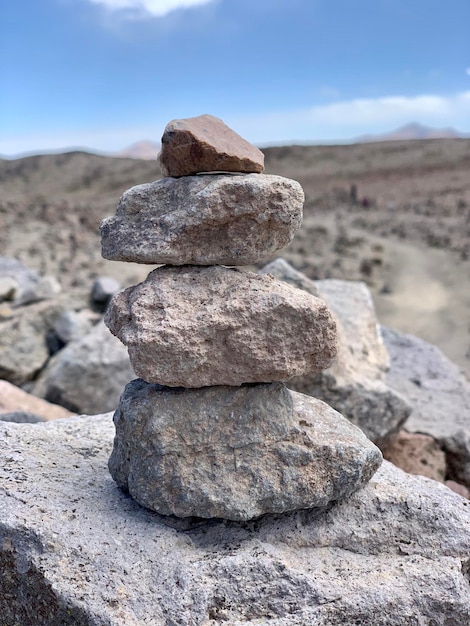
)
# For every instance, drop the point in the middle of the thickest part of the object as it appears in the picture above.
(76, 551)
(235, 453)
(198, 326)
(204, 220)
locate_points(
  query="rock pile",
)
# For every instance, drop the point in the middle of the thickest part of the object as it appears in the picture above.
(210, 430)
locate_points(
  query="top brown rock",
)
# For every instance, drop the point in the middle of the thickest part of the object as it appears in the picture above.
(206, 144)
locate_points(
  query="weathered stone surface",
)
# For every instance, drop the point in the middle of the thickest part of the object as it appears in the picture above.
(76, 551)
(458, 488)
(355, 384)
(204, 220)
(439, 395)
(88, 375)
(14, 399)
(206, 144)
(235, 452)
(26, 279)
(416, 454)
(197, 326)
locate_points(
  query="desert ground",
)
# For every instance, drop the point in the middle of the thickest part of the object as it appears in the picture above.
(394, 214)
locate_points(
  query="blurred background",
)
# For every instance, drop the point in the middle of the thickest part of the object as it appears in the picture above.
(366, 103)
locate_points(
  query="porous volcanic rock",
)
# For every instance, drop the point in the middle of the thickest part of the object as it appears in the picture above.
(196, 326)
(355, 383)
(204, 220)
(76, 551)
(206, 144)
(438, 393)
(88, 375)
(235, 452)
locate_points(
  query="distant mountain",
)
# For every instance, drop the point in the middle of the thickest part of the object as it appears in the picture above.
(412, 131)
(146, 150)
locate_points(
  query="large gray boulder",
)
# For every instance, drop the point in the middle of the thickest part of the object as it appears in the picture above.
(76, 551)
(355, 383)
(439, 394)
(204, 220)
(197, 326)
(235, 452)
(88, 375)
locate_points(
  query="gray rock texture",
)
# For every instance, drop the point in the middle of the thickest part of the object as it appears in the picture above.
(206, 144)
(8, 288)
(76, 551)
(21, 417)
(88, 375)
(355, 383)
(204, 220)
(235, 452)
(439, 394)
(26, 279)
(196, 326)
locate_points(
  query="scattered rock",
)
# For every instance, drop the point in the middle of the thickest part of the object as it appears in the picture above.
(196, 326)
(88, 375)
(458, 488)
(206, 144)
(235, 452)
(439, 395)
(8, 288)
(15, 400)
(46, 288)
(355, 383)
(75, 550)
(204, 220)
(416, 454)
(24, 349)
(72, 325)
(21, 417)
(104, 289)
(25, 278)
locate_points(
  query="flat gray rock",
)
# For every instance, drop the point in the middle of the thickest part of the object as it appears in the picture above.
(196, 326)
(76, 551)
(439, 394)
(206, 144)
(204, 220)
(88, 375)
(355, 384)
(235, 452)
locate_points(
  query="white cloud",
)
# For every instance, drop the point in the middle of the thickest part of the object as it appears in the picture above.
(157, 8)
(467, 71)
(347, 119)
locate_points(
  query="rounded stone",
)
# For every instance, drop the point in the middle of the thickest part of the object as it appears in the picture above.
(235, 453)
(197, 326)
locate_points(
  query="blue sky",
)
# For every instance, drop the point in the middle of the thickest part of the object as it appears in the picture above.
(105, 73)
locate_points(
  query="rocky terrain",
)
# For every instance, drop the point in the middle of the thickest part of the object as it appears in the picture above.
(356, 539)
(394, 214)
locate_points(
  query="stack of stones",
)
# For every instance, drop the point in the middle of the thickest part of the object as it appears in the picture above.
(209, 429)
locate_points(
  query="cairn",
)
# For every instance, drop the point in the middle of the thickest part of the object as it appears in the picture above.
(209, 429)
